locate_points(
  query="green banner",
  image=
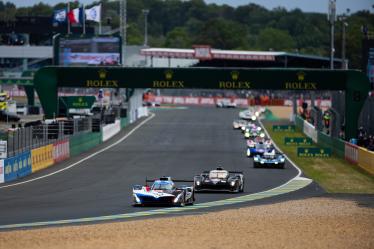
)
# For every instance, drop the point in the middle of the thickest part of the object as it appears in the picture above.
(287, 128)
(298, 141)
(313, 152)
(78, 102)
(16, 81)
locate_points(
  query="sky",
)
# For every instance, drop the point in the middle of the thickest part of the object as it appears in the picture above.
(304, 5)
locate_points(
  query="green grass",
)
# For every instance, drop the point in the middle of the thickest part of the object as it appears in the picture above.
(334, 174)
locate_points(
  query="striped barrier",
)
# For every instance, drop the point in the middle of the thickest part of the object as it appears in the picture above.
(351, 152)
(42, 157)
(366, 160)
(61, 150)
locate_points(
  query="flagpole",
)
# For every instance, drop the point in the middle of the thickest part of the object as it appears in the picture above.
(68, 22)
(101, 10)
(84, 20)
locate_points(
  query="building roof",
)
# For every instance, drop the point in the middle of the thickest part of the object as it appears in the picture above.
(225, 54)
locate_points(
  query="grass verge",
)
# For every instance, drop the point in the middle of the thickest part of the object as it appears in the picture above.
(334, 174)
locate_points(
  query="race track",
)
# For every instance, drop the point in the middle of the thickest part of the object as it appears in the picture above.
(177, 143)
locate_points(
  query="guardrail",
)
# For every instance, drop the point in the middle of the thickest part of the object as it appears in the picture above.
(51, 151)
(350, 152)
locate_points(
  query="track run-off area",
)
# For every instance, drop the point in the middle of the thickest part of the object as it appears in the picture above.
(179, 143)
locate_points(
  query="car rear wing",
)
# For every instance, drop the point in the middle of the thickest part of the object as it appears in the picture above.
(166, 179)
(230, 172)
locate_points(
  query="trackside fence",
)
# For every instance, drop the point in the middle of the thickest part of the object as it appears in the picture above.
(350, 152)
(32, 158)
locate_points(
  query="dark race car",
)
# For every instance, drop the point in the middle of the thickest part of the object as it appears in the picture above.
(163, 192)
(269, 159)
(219, 180)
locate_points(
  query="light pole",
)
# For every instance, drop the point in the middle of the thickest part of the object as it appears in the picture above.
(332, 18)
(343, 19)
(145, 12)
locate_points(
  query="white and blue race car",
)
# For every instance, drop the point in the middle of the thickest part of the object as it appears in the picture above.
(269, 159)
(163, 191)
(258, 146)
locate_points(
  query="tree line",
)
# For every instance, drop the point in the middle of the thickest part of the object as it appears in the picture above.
(180, 24)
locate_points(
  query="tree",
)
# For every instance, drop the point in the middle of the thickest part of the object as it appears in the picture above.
(275, 39)
(223, 34)
(178, 38)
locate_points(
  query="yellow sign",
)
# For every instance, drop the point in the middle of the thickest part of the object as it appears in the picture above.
(102, 82)
(42, 157)
(234, 83)
(300, 84)
(168, 82)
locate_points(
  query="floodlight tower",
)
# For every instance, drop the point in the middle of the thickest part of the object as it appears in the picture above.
(332, 18)
(123, 25)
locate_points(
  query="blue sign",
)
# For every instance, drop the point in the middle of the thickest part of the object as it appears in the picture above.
(17, 166)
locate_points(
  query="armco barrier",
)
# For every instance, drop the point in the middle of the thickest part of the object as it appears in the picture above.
(366, 160)
(299, 122)
(351, 152)
(1, 171)
(61, 150)
(310, 131)
(110, 130)
(82, 142)
(42, 157)
(17, 166)
(337, 145)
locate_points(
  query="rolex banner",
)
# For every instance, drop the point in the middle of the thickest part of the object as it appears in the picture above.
(313, 152)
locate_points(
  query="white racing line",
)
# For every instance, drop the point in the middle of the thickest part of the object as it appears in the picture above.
(83, 159)
(293, 184)
(298, 176)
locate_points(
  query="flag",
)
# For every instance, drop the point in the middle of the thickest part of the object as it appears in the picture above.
(76, 15)
(59, 15)
(94, 13)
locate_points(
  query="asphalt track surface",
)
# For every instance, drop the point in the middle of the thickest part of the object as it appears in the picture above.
(177, 143)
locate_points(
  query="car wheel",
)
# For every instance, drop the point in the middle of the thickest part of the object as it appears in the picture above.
(281, 166)
(255, 165)
(242, 187)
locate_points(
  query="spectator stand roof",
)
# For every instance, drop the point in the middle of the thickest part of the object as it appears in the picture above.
(237, 58)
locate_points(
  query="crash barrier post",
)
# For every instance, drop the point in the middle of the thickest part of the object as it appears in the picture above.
(366, 160)
(84, 141)
(17, 166)
(351, 152)
(110, 130)
(61, 150)
(42, 157)
(310, 131)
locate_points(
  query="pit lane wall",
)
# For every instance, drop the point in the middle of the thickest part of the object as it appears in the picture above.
(350, 152)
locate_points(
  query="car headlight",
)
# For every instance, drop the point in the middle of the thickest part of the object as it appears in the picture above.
(232, 184)
(257, 113)
(262, 135)
(197, 183)
(243, 128)
(259, 128)
(253, 118)
(248, 152)
(282, 160)
(255, 159)
(136, 198)
(275, 162)
(262, 161)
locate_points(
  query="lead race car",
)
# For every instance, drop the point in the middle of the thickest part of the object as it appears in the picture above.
(163, 192)
(219, 180)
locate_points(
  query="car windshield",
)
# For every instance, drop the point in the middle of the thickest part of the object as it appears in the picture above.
(162, 185)
(260, 146)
